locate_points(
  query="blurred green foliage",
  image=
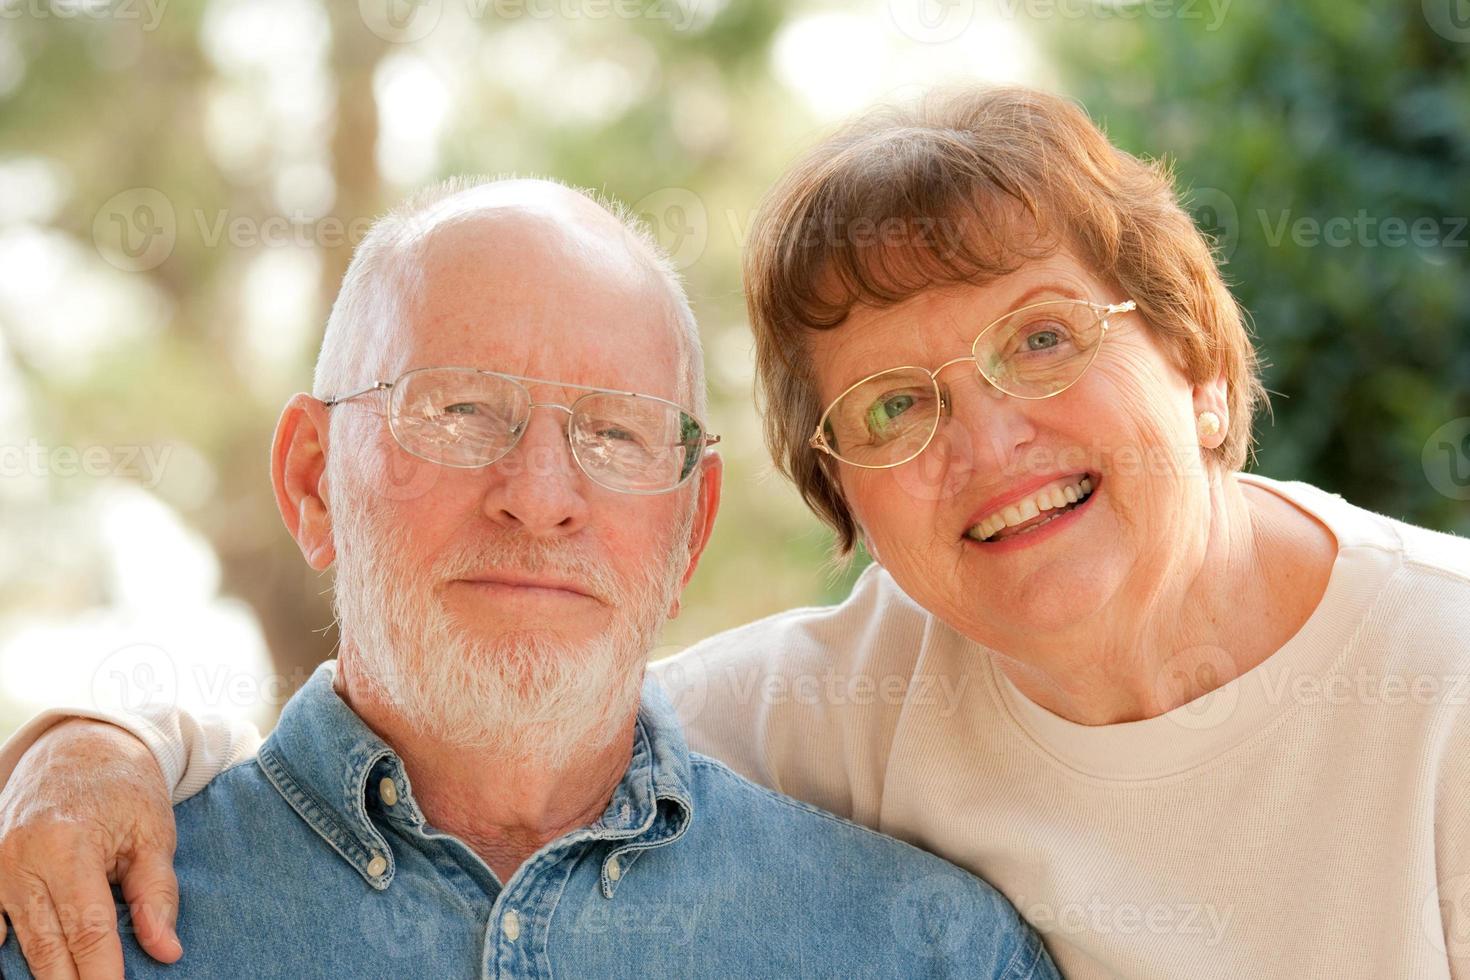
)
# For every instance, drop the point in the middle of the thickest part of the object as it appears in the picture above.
(1314, 138)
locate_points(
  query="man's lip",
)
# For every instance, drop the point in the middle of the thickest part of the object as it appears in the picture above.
(1021, 492)
(528, 582)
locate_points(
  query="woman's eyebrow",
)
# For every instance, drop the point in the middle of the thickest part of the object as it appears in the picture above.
(1058, 290)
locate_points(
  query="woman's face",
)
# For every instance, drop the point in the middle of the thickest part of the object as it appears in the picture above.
(1127, 427)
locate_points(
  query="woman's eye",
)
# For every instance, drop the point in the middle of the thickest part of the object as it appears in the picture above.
(885, 410)
(1043, 337)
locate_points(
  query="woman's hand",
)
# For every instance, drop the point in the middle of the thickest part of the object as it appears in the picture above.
(87, 805)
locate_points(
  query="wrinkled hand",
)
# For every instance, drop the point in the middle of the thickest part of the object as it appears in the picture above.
(87, 805)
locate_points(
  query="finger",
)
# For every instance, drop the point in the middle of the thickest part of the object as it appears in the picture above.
(152, 893)
(39, 932)
(88, 915)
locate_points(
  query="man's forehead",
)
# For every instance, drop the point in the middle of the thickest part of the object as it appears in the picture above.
(547, 292)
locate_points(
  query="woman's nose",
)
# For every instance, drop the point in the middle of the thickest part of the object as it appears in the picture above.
(985, 428)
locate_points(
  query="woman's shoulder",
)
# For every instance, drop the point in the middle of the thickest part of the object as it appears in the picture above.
(1428, 550)
(877, 624)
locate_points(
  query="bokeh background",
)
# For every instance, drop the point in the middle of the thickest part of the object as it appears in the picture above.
(182, 182)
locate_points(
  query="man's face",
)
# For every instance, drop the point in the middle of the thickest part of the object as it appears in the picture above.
(521, 595)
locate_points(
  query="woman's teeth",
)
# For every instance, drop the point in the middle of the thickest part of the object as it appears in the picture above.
(1058, 496)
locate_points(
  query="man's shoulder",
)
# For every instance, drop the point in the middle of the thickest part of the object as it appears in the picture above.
(227, 793)
(938, 919)
(751, 811)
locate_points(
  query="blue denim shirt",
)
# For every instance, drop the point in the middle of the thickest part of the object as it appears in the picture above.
(313, 860)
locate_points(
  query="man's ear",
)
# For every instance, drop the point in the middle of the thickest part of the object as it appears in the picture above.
(299, 476)
(711, 480)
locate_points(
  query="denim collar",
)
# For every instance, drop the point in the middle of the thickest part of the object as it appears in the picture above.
(330, 767)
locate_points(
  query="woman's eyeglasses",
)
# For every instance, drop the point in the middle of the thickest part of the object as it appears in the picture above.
(1037, 351)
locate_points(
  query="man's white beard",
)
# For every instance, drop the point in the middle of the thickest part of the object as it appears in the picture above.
(526, 695)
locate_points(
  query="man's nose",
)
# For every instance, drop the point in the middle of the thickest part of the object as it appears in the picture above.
(537, 487)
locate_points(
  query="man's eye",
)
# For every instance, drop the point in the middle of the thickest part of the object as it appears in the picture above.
(462, 408)
(616, 434)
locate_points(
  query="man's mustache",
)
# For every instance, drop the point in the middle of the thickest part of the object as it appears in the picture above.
(532, 557)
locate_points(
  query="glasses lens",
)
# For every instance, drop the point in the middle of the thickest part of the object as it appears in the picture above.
(635, 444)
(885, 420)
(1036, 352)
(458, 416)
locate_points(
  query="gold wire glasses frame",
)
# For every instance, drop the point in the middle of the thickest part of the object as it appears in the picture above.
(897, 411)
(466, 418)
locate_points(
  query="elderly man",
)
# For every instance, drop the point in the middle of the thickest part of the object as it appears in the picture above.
(481, 784)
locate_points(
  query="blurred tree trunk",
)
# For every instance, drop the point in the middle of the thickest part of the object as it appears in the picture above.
(292, 601)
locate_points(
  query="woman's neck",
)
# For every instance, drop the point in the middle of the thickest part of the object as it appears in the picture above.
(1198, 617)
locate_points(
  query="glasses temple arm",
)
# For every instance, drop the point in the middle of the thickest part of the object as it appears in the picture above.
(379, 386)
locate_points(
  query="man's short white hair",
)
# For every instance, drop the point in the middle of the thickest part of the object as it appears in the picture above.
(385, 277)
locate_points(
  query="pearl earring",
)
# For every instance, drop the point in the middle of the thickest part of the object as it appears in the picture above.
(1209, 425)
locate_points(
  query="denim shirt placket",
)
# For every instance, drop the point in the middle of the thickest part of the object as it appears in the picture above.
(518, 927)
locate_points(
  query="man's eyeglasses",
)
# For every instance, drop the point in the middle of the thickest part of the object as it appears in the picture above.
(1037, 351)
(467, 418)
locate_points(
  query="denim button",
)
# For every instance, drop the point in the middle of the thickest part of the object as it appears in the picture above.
(614, 871)
(377, 865)
(510, 924)
(388, 792)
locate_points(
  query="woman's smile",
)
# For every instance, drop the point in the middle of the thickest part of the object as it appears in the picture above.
(1035, 518)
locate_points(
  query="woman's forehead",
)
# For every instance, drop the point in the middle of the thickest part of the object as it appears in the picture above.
(933, 322)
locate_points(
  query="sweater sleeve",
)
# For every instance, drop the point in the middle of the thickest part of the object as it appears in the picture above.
(191, 750)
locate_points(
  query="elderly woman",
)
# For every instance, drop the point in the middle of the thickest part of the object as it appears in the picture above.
(1191, 722)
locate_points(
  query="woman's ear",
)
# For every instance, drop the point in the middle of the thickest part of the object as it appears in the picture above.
(1211, 403)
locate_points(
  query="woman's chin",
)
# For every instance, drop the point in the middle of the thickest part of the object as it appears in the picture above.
(1059, 597)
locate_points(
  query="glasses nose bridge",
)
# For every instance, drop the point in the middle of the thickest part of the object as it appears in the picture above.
(525, 424)
(556, 405)
(945, 399)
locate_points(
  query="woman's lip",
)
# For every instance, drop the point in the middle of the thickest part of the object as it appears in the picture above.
(1016, 542)
(997, 504)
